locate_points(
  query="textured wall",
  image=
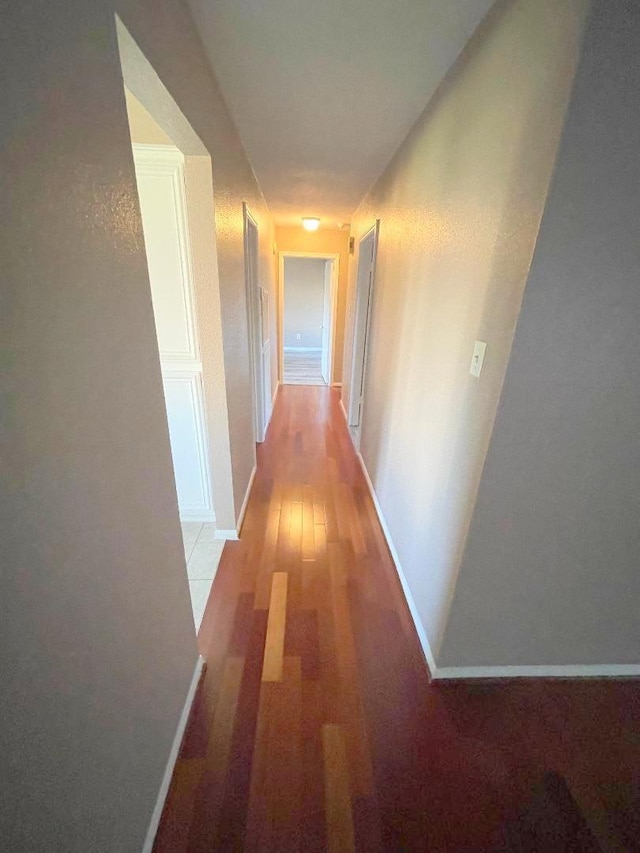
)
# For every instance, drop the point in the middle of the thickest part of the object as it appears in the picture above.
(96, 630)
(460, 206)
(304, 280)
(335, 243)
(550, 574)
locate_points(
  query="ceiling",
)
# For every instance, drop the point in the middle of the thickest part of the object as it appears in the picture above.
(324, 92)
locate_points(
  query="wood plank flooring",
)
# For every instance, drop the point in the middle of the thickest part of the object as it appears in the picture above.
(315, 727)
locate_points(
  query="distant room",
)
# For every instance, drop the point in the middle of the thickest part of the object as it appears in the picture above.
(307, 320)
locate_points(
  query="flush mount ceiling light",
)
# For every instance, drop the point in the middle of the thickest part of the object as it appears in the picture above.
(311, 223)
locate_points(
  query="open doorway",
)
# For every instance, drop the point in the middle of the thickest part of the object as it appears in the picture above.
(175, 195)
(308, 293)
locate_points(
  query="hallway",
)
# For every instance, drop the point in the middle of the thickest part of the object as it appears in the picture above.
(315, 727)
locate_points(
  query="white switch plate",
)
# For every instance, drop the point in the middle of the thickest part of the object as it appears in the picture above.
(477, 359)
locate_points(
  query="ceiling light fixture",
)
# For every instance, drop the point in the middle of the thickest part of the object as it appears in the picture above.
(310, 223)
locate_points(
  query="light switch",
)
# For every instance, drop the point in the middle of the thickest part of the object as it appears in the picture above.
(477, 359)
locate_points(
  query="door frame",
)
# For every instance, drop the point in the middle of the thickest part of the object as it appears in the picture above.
(334, 258)
(252, 297)
(372, 230)
(181, 367)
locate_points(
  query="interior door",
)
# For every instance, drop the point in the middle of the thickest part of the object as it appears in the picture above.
(325, 365)
(265, 348)
(160, 179)
(258, 322)
(364, 296)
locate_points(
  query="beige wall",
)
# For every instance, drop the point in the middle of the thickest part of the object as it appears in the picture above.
(304, 286)
(550, 572)
(460, 207)
(96, 629)
(331, 242)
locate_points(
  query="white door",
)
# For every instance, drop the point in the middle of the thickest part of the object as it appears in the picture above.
(258, 318)
(364, 295)
(160, 178)
(325, 365)
(265, 348)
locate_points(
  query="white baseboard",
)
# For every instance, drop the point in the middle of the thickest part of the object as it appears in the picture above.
(302, 349)
(605, 670)
(230, 535)
(346, 418)
(173, 757)
(247, 494)
(453, 673)
(422, 636)
(204, 517)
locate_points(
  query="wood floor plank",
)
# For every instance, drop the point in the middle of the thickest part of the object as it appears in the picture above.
(231, 826)
(308, 535)
(274, 821)
(312, 802)
(318, 507)
(267, 561)
(178, 815)
(274, 645)
(210, 793)
(295, 530)
(354, 714)
(337, 794)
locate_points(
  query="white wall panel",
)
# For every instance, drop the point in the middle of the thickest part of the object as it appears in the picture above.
(185, 415)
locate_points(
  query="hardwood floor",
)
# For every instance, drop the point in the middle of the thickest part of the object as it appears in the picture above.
(315, 727)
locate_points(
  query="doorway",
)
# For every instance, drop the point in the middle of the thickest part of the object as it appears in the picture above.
(362, 321)
(161, 191)
(177, 213)
(308, 293)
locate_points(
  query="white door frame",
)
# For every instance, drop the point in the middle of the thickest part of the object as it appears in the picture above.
(254, 329)
(182, 367)
(357, 394)
(334, 258)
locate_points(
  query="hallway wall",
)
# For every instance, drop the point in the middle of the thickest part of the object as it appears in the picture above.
(97, 639)
(460, 207)
(331, 241)
(550, 574)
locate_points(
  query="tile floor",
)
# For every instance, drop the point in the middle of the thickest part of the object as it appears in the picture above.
(202, 552)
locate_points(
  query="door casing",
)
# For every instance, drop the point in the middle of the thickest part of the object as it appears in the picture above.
(334, 260)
